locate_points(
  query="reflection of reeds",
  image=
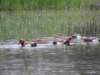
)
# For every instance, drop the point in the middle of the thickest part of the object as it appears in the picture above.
(25, 61)
(84, 52)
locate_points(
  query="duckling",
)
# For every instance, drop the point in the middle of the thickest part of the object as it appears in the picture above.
(67, 41)
(76, 39)
(22, 43)
(33, 44)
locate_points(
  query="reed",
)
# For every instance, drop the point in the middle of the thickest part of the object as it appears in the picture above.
(41, 23)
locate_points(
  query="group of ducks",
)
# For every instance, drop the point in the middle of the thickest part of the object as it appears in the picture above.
(75, 39)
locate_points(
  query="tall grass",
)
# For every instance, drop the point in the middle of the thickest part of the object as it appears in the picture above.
(34, 4)
(39, 23)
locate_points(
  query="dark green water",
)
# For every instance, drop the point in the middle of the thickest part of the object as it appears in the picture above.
(69, 61)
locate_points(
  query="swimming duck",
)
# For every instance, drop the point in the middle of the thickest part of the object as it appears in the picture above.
(22, 42)
(73, 39)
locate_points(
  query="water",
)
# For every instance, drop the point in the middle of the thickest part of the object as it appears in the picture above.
(55, 61)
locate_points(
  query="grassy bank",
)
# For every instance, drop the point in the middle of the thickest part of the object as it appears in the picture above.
(38, 23)
(34, 4)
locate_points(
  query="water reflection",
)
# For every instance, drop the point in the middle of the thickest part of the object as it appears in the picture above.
(76, 60)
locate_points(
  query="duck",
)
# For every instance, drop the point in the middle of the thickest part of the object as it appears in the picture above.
(96, 41)
(24, 43)
(76, 38)
(73, 39)
(21, 42)
(34, 44)
(67, 41)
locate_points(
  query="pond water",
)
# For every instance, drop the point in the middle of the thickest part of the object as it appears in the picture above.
(57, 61)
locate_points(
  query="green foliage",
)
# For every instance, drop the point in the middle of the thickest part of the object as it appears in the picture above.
(34, 4)
(41, 23)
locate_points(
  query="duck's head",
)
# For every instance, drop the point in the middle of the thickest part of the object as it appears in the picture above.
(22, 42)
(76, 36)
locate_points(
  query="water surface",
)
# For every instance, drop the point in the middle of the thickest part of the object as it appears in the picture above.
(55, 61)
